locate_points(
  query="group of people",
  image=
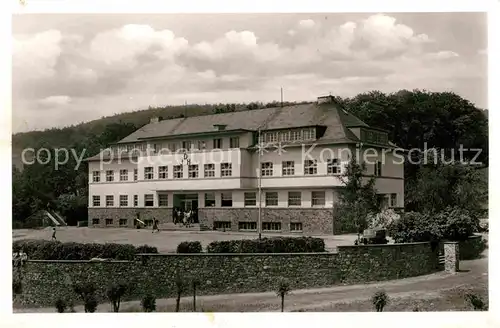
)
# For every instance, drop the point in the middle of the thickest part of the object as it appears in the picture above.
(183, 217)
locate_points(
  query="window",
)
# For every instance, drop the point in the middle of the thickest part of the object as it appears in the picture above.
(172, 147)
(285, 136)
(163, 172)
(96, 221)
(318, 198)
(288, 168)
(272, 198)
(250, 199)
(310, 167)
(295, 135)
(193, 171)
(333, 166)
(294, 198)
(266, 169)
(226, 199)
(135, 174)
(393, 200)
(136, 200)
(96, 201)
(148, 222)
(378, 169)
(209, 199)
(248, 226)
(309, 134)
(271, 226)
(148, 173)
(123, 222)
(178, 172)
(123, 200)
(234, 142)
(202, 144)
(295, 226)
(96, 176)
(163, 200)
(225, 169)
(217, 143)
(186, 145)
(209, 170)
(149, 200)
(222, 225)
(271, 137)
(123, 175)
(110, 176)
(109, 200)
(109, 221)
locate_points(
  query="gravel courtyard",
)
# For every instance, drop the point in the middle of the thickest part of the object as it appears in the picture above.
(165, 241)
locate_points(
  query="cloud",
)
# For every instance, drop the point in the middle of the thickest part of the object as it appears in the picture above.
(55, 101)
(307, 23)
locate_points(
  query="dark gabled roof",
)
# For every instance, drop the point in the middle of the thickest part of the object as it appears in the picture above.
(329, 115)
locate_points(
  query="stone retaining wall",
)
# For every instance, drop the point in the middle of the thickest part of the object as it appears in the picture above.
(45, 281)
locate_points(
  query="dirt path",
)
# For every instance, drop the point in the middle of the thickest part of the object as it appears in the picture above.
(418, 287)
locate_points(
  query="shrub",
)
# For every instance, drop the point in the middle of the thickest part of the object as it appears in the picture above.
(379, 300)
(90, 304)
(148, 303)
(60, 305)
(476, 302)
(383, 219)
(115, 292)
(146, 249)
(451, 224)
(49, 250)
(17, 286)
(283, 290)
(269, 245)
(189, 247)
(86, 291)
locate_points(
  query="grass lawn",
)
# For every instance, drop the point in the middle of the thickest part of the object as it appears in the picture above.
(165, 241)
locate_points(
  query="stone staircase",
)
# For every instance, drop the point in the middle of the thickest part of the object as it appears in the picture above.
(170, 226)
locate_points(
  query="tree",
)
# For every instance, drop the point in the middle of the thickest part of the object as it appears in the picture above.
(148, 303)
(358, 198)
(115, 293)
(180, 287)
(194, 284)
(283, 290)
(86, 291)
(379, 300)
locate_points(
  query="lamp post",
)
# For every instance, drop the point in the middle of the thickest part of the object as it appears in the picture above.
(259, 224)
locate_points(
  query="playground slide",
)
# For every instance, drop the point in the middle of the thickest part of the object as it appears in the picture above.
(52, 218)
(59, 218)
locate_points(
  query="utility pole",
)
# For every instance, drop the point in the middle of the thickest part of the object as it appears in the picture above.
(281, 97)
(259, 224)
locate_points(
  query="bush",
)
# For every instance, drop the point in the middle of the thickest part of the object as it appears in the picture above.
(189, 247)
(90, 304)
(269, 245)
(451, 224)
(146, 249)
(148, 303)
(379, 300)
(115, 293)
(49, 250)
(60, 305)
(17, 286)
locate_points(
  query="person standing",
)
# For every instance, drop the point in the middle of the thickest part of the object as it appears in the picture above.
(54, 234)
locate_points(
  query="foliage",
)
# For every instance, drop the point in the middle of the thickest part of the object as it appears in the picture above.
(476, 302)
(189, 247)
(180, 287)
(115, 293)
(358, 200)
(17, 286)
(269, 245)
(379, 300)
(451, 224)
(39, 249)
(195, 282)
(86, 291)
(383, 219)
(146, 249)
(148, 303)
(283, 290)
(61, 305)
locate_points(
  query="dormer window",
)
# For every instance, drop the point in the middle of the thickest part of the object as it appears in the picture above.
(220, 127)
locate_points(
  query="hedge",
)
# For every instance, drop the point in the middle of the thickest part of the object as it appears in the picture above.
(55, 250)
(269, 245)
(189, 247)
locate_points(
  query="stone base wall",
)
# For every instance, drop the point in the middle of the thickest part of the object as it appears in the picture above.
(225, 273)
(163, 214)
(314, 220)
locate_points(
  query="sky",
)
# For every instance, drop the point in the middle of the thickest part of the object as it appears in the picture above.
(72, 68)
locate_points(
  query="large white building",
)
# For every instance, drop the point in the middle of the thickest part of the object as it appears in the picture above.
(214, 165)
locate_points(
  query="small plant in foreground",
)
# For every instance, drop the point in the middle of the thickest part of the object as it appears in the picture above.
(194, 284)
(180, 287)
(379, 300)
(148, 303)
(283, 290)
(476, 302)
(90, 304)
(60, 305)
(115, 292)
(86, 291)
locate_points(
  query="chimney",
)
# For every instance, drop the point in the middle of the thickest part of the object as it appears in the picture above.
(155, 119)
(326, 100)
